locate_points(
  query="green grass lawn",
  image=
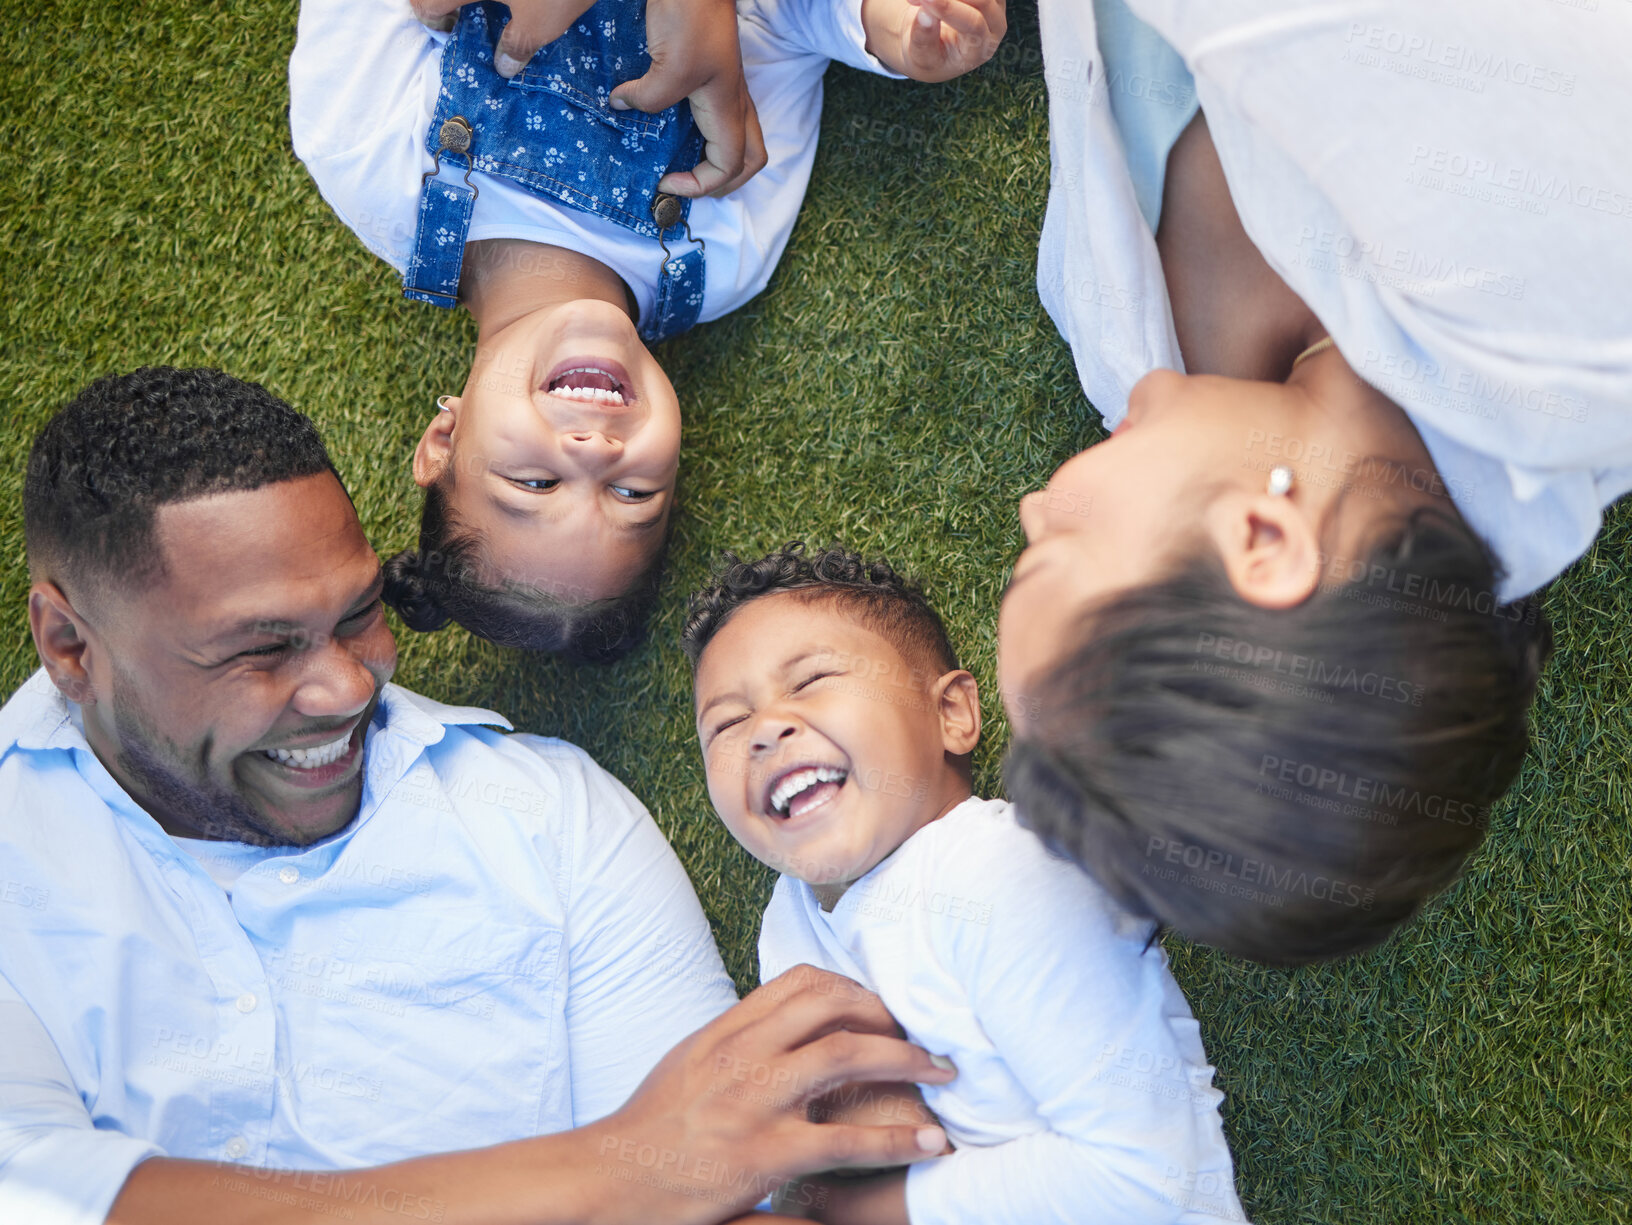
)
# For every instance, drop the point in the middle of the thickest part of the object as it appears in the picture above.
(899, 387)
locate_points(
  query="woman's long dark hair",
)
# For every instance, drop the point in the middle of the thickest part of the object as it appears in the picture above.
(1288, 785)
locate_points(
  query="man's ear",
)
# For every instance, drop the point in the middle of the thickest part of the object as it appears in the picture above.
(435, 450)
(64, 639)
(957, 702)
(1269, 546)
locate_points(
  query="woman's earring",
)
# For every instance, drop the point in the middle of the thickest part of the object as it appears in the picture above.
(442, 404)
(1280, 481)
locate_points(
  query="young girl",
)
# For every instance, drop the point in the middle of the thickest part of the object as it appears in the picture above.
(533, 202)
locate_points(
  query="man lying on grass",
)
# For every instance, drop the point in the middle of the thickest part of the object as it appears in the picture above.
(285, 914)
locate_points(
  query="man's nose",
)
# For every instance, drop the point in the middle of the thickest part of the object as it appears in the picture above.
(591, 449)
(337, 681)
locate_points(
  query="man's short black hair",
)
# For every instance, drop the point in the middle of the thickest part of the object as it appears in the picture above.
(884, 601)
(131, 443)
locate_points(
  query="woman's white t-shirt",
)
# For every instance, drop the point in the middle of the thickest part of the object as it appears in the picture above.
(1448, 186)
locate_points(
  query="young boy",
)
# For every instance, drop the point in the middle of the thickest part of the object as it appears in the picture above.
(534, 201)
(837, 730)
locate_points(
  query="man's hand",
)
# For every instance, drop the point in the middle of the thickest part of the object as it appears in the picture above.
(696, 55)
(934, 40)
(722, 1120)
(533, 24)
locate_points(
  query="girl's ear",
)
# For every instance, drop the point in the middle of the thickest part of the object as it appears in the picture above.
(957, 701)
(435, 450)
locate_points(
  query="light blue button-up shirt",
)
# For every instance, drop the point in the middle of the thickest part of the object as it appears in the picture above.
(501, 945)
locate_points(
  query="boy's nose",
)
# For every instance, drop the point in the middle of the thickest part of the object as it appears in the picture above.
(770, 731)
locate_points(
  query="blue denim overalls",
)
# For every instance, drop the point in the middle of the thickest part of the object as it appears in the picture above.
(550, 130)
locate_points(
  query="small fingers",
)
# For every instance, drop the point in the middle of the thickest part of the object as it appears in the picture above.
(531, 26)
(651, 93)
(924, 37)
(967, 19)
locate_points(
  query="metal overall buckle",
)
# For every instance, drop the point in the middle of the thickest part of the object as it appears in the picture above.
(667, 212)
(454, 136)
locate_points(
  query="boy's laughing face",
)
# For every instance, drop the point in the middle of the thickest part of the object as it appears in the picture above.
(826, 747)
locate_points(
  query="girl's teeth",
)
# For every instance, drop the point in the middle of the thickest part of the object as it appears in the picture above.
(312, 758)
(588, 395)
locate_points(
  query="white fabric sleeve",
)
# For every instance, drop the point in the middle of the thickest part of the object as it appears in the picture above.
(643, 971)
(1080, 1013)
(56, 1166)
(830, 28)
(1099, 275)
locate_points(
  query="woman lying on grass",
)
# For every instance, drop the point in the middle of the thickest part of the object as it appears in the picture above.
(1271, 646)
(544, 201)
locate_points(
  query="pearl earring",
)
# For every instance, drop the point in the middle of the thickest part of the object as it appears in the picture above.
(442, 404)
(1280, 481)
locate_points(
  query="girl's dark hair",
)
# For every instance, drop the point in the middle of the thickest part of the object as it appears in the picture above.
(440, 582)
(1287, 785)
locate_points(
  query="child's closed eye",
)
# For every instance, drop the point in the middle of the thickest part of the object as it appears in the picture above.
(720, 727)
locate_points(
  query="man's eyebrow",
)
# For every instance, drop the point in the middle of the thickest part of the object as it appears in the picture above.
(249, 626)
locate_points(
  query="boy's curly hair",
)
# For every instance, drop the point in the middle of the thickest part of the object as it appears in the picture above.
(885, 601)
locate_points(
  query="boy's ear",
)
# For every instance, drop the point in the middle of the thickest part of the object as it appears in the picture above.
(63, 638)
(957, 701)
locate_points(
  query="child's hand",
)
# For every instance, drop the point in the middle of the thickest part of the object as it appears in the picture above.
(934, 40)
(696, 55)
(533, 24)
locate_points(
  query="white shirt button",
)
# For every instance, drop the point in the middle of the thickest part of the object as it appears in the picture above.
(236, 1147)
(247, 1002)
(288, 875)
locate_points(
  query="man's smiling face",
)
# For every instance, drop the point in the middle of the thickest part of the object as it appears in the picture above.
(231, 696)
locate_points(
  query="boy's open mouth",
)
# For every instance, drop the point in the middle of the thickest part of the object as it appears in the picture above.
(800, 789)
(590, 381)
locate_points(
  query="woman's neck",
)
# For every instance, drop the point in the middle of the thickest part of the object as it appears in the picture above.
(506, 278)
(1232, 314)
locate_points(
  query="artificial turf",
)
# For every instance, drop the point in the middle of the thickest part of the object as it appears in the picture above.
(897, 387)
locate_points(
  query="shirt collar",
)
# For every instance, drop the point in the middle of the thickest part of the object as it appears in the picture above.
(38, 718)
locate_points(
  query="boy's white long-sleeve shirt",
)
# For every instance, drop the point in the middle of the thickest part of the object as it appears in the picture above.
(363, 83)
(1083, 1092)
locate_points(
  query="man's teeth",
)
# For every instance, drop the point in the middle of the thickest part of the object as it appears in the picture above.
(801, 781)
(311, 759)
